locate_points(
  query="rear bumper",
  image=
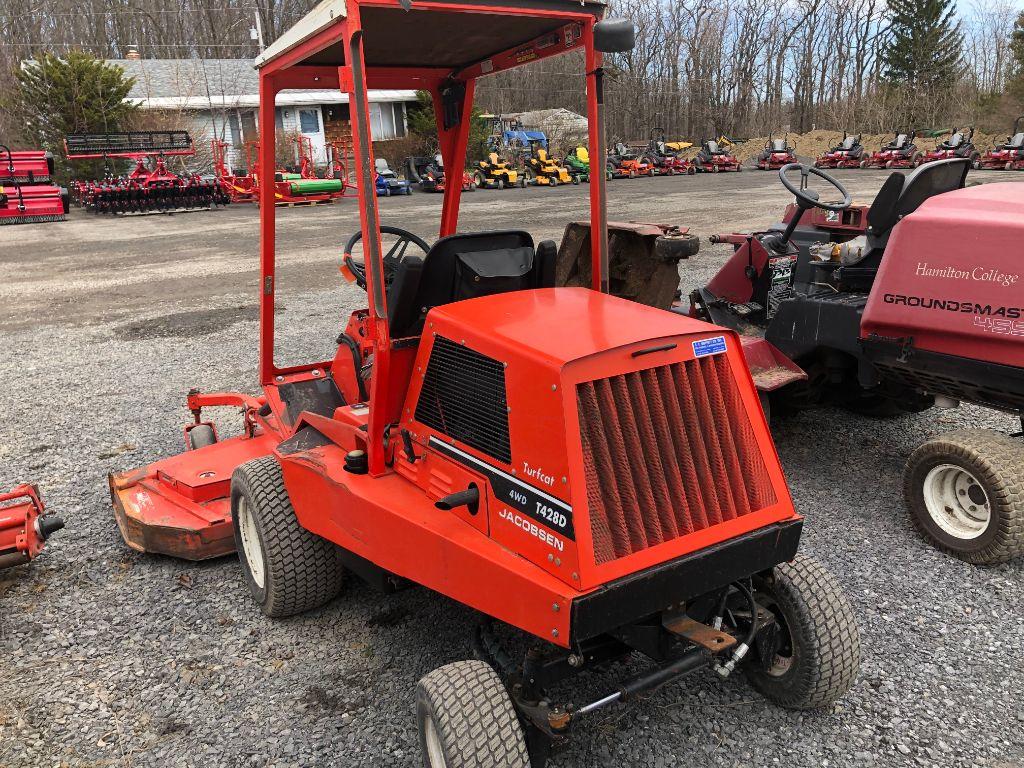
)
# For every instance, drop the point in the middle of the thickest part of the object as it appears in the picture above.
(645, 593)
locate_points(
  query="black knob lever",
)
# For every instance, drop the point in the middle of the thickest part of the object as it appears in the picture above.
(469, 498)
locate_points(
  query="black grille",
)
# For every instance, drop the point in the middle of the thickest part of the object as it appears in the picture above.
(463, 397)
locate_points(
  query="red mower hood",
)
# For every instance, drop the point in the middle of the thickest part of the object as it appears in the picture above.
(952, 278)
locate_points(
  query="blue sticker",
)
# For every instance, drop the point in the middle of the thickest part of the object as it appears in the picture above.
(712, 346)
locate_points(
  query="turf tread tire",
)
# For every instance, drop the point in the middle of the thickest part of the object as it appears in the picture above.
(302, 571)
(473, 717)
(828, 640)
(997, 461)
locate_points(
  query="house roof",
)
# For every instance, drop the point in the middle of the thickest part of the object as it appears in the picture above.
(219, 84)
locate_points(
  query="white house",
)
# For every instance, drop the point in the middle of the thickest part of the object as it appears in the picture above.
(219, 97)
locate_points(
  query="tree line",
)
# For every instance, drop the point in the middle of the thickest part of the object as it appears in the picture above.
(700, 68)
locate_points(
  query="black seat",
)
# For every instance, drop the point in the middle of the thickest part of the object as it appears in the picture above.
(902, 195)
(466, 266)
(1016, 141)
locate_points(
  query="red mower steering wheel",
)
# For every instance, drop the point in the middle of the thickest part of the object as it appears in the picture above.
(807, 198)
(391, 259)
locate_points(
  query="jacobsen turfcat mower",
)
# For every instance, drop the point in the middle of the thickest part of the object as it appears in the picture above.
(777, 153)
(897, 319)
(901, 152)
(594, 474)
(713, 157)
(846, 154)
(1008, 156)
(958, 144)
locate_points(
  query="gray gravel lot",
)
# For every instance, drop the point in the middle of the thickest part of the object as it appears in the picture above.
(116, 659)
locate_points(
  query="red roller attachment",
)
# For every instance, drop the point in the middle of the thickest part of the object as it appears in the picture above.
(24, 525)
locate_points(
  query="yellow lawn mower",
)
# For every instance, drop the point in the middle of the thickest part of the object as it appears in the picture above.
(544, 170)
(495, 173)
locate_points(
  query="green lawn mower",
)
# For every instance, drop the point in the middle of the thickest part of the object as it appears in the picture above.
(578, 164)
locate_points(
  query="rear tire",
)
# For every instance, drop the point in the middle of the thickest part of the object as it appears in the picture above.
(288, 569)
(819, 645)
(466, 719)
(965, 495)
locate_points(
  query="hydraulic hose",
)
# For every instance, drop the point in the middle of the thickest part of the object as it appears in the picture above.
(741, 650)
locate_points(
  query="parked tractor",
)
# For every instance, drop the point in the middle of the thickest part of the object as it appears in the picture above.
(901, 152)
(777, 153)
(957, 144)
(624, 162)
(1008, 156)
(542, 170)
(496, 173)
(714, 157)
(593, 476)
(886, 312)
(429, 173)
(846, 154)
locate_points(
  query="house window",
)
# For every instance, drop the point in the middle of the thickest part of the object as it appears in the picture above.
(309, 121)
(399, 112)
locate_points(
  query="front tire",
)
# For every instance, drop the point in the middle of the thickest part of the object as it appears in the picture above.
(288, 569)
(965, 495)
(818, 649)
(466, 719)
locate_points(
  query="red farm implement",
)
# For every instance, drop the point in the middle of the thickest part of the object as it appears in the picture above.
(846, 154)
(593, 474)
(302, 187)
(25, 197)
(24, 525)
(1008, 156)
(239, 188)
(150, 187)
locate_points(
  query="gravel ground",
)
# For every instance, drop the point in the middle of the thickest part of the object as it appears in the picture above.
(116, 659)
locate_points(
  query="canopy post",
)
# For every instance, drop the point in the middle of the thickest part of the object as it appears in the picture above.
(598, 164)
(267, 190)
(369, 220)
(453, 139)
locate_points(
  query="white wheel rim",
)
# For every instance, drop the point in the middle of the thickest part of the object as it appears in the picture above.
(434, 752)
(957, 502)
(251, 547)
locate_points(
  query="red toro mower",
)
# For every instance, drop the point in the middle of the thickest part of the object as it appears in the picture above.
(24, 525)
(665, 161)
(1008, 156)
(777, 153)
(713, 158)
(25, 197)
(959, 144)
(901, 152)
(846, 154)
(897, 319)
(594, 476)
(626, 163)
(148, 188)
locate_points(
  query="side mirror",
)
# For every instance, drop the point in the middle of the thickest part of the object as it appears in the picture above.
(614, 36)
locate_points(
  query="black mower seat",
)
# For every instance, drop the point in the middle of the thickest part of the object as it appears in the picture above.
(1016, 142)
(953, 141)
(849, 143)
(902, 195)
(779, 145)
(465, 266)
(899, 142)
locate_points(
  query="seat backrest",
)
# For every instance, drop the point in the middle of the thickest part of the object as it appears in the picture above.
(582, 154)
(902, 195)
(713, 148)
(464, 266)
(850, 142)
(779, 145)
(955, 140)
(382, 168)
(542, 155)
(1016, 141)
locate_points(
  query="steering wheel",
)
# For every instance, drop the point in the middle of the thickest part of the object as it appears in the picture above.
(391, 259)
(807, 198)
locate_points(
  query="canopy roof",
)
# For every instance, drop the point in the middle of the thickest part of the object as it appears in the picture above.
(431, 36)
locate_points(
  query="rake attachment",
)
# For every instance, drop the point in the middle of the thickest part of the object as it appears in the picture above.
(148, 188)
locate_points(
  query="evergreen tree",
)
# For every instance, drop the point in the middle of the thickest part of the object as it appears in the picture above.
(73, 93)
(922, 56)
